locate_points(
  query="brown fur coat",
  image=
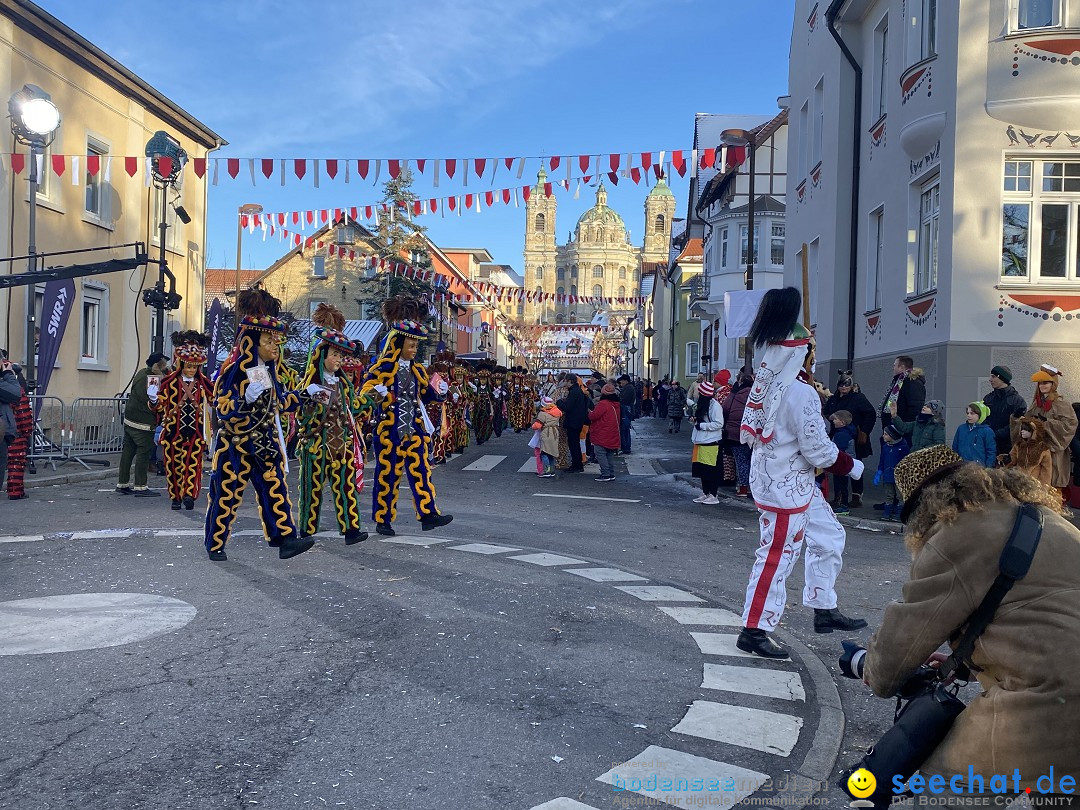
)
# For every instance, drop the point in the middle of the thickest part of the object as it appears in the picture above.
(1033, 456)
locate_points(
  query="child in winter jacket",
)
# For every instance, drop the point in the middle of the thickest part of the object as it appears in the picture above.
(893, 449)
(928, 428)
(546, 439)
(1032, 453)
(844, 438)
(974, 440)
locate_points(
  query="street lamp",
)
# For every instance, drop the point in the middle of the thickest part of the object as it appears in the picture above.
(167, 162)
(248, 209)
(742, 137)
(34, 121)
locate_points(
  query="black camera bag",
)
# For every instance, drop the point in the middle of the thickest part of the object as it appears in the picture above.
(923, 721)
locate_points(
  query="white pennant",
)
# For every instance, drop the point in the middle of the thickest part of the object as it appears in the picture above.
(521, 167)
(251, 169)
(75, 179)
(438, 164)
(108, 169)
(214, 182)
(148, 167)
(378, 171)
(577, 190)
(693, 163)
(347, 162)
(315, 165)
(281, 170)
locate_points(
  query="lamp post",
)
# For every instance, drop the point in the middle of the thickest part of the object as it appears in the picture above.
(34, 121)
(742, 137)
(167, 162)
(248, 209)
(648, 335)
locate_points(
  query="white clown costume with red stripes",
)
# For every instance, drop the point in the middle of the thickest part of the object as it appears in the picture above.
(784, 427)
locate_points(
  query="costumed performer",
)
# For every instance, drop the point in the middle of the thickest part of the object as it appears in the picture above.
(484, 403)
(783, 426)
(500, 397)
(438, 409)
(457, 409)
(182, 401)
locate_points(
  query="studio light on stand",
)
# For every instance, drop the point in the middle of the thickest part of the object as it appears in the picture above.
(34, 122)
(167, 161)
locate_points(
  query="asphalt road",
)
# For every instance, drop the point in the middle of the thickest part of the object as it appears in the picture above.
(417, 676)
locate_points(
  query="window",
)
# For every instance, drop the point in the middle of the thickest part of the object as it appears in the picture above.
(659, 223)
(804, 139)
(881, 67)
(622, 272)
(922, 30)
(345, 234)
(1016, 218)
(723, 246)
(877, 253)
(520, 309)
(693, 359)
(1028, 14)
(597, 291)
(541, 223)
(173, 224)
(95, 185)
(598, 271)
(539, 272)
(776, 246)
(637, 274)
(318, 267)
(573, 289)
(926, 271)
(1040, 221)
(560, 274)
(561, 291)
(94, 325)
(573, 271)
(313, 304)
(622, 292)
(1018, 175)
(819, 122)
(742, 241)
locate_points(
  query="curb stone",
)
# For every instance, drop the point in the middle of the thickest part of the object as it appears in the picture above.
(35, 481)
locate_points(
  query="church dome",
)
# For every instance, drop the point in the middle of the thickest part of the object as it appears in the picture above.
(601, 214)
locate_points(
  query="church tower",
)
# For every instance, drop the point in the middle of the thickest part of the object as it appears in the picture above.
(659, 209)
(540, 249)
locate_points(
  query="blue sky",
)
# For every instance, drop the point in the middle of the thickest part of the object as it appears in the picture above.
(443, 78)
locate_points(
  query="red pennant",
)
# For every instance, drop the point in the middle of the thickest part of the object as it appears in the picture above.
(324, 215)
(658, 170)
(331, 169)
(353, 213)
(708, 158)
(310, 216)
(614, 178)
(679, 162)
(93, 164)
(199, 165)
(295, 217)
(646, 160)
(547, 189)
(451, 167)
(420, 164)
(233, 165)
(368, 213)
(635, 174)
(131, 166)
(164, 166)
(468, 201)
(258, 221)
(553, 162)
(613, 160)
(586, 178)
(433, 204)
(267, 167)
(244, 220)
(451, 203)
(416, 208)
(735, 156)
(281, 220)
(509, 162)
(18, 163)
(337, 215)
(480, 163)
(362, 168)
(526, 192)
(300, 168)
(583, 162)
(394, 167)
(489, 197)
(506, 196)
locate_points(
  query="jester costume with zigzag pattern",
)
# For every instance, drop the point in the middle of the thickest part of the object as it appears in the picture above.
(182, 404)
(248, 447)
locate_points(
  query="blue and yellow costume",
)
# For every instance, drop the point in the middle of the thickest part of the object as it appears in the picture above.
(402, 434)
(328, 433)
(249, 444)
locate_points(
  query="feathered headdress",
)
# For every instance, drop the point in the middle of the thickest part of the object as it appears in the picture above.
(190, 346)
(258, 309)
(405, 315)
(329, 325)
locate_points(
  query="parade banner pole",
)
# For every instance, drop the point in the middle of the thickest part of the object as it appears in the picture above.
(805, 286)
(56, 305)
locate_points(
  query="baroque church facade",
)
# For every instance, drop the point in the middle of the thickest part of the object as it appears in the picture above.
(598, 260)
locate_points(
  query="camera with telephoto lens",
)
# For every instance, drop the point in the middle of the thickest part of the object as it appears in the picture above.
(854, 658)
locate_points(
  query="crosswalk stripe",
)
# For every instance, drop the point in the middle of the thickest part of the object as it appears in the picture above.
(563, 803)
(101, 535)
(670, 776)
(762, 730)
(484, 463)
(772, 683)
(658, 593)
(719, 644)
(636, 465)
(26, 538)
(585, 497)
(698, 615)
(483, 548)
(406, 540)
(528, 466)
(179, 532)
(547, 559)
(606, 575)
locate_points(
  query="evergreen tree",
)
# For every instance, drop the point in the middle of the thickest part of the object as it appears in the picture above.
(400, 238)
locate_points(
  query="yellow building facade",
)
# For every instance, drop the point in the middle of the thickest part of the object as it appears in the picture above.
(108, 112)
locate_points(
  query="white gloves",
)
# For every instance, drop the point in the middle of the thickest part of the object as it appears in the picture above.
(254, 391)
(856, 470)
(442, 388)
(456, 397)
(381, 390)
(152, 392)
(498, 393)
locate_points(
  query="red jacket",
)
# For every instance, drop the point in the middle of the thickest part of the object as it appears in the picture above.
(604, 422)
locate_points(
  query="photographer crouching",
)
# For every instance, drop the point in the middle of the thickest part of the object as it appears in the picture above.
(996, 576)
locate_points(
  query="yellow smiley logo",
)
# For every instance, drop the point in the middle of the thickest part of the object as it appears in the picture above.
(861, 783)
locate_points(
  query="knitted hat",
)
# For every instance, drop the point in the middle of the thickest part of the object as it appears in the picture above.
(1003, 373)
(706, 389)
(937, 409)
(921, 469)
(608, 389)
(893, 432)
(722, 377)
(547, 402)
(981, 409)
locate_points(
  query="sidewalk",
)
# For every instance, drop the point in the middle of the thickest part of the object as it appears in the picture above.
(72, 472)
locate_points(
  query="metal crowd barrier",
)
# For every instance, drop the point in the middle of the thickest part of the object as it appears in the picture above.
(49, 427)
(95, 427)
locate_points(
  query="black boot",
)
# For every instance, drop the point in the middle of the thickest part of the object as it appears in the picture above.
(217, 556)
(434, 521)
(757, 641)
(189, 503)
(291, 546)
(355, 536)
(825, 621)
(176, 506)
(385, 528)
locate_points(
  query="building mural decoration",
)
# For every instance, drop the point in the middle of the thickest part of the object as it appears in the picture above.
(1062, 51)
(1039, 306)
(912, 81)
(873, 328)
(877, 137)
(1017, 137)
(919, 166)
(919, 313)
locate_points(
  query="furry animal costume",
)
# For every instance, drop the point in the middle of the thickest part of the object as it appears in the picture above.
(1033, 455)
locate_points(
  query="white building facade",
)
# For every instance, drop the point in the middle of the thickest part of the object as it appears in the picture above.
(967, 208)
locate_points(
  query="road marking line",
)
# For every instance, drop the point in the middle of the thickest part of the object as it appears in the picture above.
(248, 533)
(102, 534)
(771, 732)
(27, 538)
(606, 575)
(658, 593)
(179, 533)
(636, 465)
(484, 464)
(647, 773)
(407, 540)
(585, 497)
(483, 548)
(563, 803)
(528, 466)
(724, 644)
(548, 559)
(697, 615)
(753, 681)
